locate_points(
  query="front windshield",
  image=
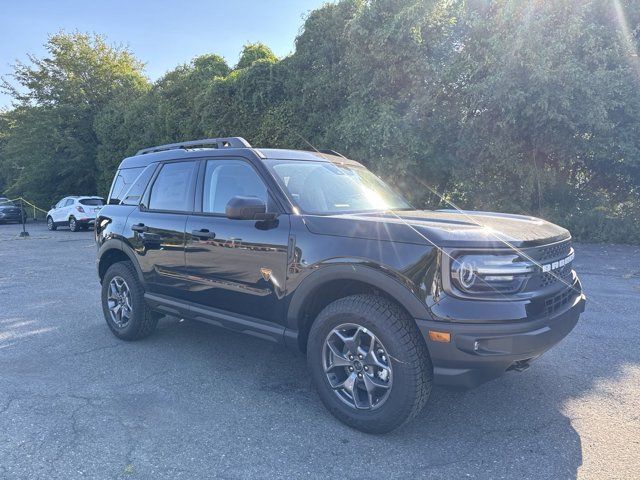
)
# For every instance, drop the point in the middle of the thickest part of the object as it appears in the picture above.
(323, 187)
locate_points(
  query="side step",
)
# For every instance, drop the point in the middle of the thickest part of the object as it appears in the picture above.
(213, 316)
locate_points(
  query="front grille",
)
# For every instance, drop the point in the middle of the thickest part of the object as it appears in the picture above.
(546, 255)
(554, 252)
(554, 289)
(553, 304)
(561, 275)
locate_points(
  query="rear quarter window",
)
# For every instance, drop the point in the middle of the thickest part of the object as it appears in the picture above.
(136, 190)
(121, 183)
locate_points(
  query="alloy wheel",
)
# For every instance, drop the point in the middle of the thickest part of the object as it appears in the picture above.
(119, 302)
(357, 366)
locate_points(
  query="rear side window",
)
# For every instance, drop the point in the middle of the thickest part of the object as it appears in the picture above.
(93, 202)
(68, 202)
(122, 182)
(173, 187)
(134, 194)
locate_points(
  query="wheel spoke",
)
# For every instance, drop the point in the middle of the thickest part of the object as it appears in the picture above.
(347, 384)
(349, 341)
(337, 358)
(359, 402)
(371, 383)
(373, 361)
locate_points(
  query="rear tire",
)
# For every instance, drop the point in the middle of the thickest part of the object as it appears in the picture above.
(392, 385)
(120, 286)
(50, 224)
(73, 224)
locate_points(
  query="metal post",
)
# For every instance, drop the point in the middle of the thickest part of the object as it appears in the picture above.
(24, 232)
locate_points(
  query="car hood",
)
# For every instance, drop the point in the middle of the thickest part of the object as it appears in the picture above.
(444, 228)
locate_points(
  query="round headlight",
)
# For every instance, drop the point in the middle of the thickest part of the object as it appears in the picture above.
(466, 274)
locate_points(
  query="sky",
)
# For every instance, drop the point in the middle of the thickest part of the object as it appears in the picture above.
(163, 34)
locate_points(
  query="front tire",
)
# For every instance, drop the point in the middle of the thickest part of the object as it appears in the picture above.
(125, 310)
(369, 364)
(51, 224)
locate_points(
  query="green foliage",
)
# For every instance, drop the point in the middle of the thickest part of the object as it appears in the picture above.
(253, 52)
(50, 144)
(519, 106)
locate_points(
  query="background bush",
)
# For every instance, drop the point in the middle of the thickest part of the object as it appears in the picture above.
(525, 106)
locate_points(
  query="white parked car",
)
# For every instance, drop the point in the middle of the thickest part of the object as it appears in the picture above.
(76, 212)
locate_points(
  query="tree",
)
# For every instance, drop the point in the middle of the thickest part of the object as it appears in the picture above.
(520, 106)
(253, 52)
(52, 143)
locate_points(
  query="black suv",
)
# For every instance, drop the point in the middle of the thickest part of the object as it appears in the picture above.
(312, 250)
(10, 211)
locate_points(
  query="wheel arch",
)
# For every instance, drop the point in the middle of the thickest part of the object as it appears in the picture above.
(333, 282)
(112, 252)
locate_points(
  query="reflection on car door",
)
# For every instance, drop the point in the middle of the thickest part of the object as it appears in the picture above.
(156, 229)
(59, 214)
(236, 265)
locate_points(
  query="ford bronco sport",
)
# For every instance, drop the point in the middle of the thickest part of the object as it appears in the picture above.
(312, 250)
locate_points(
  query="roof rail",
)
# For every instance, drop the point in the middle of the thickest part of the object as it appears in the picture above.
(224, 142)
(331, 152)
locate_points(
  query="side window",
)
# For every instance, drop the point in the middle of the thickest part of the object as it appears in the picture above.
(134, 194)
(121, 183)
(173, 187)
(224, 179)
(61, 203)
(69, 202)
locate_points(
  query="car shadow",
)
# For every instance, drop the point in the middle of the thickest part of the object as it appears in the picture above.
(510, 427)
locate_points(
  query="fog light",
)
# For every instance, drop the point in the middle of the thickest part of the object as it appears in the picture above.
(435, 336)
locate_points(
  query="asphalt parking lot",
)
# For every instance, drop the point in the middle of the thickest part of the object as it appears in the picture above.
(193, 401)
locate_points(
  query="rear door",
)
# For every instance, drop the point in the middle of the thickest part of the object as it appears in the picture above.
(156, 229)
(237, 266)
(58, 214)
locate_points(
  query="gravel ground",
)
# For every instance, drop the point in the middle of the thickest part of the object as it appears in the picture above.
(193, 401)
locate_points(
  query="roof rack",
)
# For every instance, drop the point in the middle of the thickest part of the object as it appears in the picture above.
(224, 142)
(331, 152)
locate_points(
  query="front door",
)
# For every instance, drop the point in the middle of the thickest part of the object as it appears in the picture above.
(156, 230)
(236, 265)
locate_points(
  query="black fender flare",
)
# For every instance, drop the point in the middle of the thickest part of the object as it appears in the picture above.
(116, 244)
(365, 274)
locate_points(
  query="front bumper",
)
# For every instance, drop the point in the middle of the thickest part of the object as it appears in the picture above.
(479, 352)
(11, 217)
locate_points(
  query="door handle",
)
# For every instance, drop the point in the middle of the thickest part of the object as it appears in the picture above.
(203, 233)
(140, 227)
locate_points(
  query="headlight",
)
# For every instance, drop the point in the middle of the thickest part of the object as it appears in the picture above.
(489, 274)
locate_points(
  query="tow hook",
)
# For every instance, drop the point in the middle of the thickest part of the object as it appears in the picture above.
(520, 365)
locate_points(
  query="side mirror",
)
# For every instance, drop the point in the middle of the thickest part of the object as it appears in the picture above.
(247, 208)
